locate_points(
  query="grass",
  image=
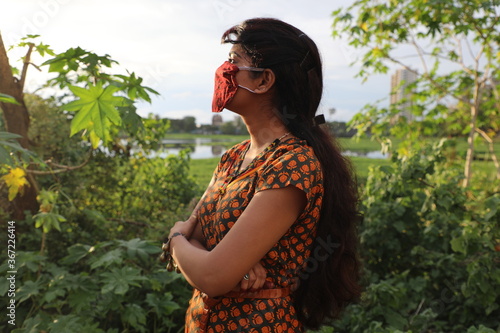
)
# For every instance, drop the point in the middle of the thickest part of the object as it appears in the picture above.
(202, 169)
(363, 145)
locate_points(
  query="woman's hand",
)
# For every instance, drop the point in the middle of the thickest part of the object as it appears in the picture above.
(256, 279)
(184, 227)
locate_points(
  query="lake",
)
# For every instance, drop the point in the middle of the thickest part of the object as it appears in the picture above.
(208, 148)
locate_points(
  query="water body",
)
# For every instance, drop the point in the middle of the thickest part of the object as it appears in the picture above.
(208, 148)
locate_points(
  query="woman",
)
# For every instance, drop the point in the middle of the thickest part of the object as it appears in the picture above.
(271, 246)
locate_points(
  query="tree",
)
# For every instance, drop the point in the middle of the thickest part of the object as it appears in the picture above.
(108, 190)
(453, 43)
(16, 116)
(100, 106)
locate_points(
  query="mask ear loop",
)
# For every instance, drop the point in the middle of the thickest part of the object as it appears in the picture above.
(252, 91)
(251, 69)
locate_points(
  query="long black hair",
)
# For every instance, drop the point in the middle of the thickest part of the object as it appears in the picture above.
(295, 60)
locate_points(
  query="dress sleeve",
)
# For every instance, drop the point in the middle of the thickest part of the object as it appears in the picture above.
(298, 167)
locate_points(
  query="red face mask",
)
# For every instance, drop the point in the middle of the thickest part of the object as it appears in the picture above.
(226, 85)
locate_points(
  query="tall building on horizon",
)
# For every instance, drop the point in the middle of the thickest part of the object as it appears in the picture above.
(217, 120)
(399, 82)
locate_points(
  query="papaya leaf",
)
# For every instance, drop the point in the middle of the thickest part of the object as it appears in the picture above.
(96, 110)
(162, 304)
(140, 249)
(119, 280)
(76, 253)
(28, 289)
(134, 315)
(109, 258)
(48, 221)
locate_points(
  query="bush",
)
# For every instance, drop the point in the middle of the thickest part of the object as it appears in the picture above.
(88, 261)
(112, 286)
(430, 252)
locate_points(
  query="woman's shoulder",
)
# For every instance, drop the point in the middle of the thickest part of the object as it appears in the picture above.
(295, 148)
(294, 153)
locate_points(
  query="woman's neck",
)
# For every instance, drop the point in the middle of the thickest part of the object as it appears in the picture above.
(263, 131)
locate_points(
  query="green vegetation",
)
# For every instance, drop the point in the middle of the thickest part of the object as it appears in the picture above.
(451, 51)
(430, 237)
(90, 212)
(202, 169)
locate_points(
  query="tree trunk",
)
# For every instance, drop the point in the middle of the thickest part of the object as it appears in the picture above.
(474, 110)
(17, 120)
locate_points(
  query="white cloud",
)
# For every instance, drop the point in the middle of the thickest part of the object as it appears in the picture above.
(175, 45)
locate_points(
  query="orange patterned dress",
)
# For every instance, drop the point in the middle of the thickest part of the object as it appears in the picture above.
(290, 162)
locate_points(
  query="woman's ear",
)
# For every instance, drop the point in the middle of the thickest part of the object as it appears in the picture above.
(266, 81)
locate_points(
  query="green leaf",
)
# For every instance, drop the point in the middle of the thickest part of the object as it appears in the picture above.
(48, 221)
(94, 139)
(76, 253)
(458, 245)
(134, 315)
(96, 110)
(481, 329)
(119, 280)
(28, 289)
(8, 99)
(53, 293)
(492, 204)
(140, 249)
(30, 325)
(162, 304)
(394, 319)
(109, 258)
(8, 136)
(30, 260)
(5, 157)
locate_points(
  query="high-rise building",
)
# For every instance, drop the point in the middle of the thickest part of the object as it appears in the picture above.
(399, 82)
(217, 120)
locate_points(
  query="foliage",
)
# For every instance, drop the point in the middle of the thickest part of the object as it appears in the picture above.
(452, 44)
(111, 286)
(340, 129)
(97, 271)
(11, 153)
(184, 125)
(140, 191)
(430, 253)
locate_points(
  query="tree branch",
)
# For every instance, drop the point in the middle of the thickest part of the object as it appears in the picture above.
(24, 72)
(61, 168)
(434, 83)
(420, 54)
(491, 149)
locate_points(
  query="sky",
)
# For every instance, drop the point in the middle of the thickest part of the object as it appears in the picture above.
(175, 46)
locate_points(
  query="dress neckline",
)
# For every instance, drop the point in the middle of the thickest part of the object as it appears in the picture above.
(241, 156)
(234, 171)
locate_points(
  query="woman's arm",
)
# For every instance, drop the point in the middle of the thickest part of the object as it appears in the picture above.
(197, 236)
(266, 219)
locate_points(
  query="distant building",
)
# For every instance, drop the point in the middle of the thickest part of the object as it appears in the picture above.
(217, 120)
(399, 82)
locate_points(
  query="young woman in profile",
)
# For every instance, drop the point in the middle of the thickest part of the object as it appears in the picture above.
(271, 246)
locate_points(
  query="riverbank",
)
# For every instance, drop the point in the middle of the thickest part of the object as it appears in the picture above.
(202, 168)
